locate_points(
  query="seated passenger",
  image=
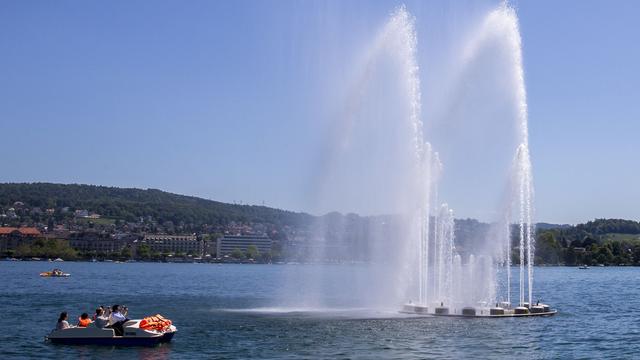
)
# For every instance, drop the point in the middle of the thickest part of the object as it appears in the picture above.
(117, 315)
(117, 319)
(62, 321)
(84, 320)
(100, 321)
(95, 315)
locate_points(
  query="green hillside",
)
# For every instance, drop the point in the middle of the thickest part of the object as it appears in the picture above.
(130, 204)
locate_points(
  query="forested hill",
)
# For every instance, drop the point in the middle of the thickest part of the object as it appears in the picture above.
(608, 226)
(130, 204)
(601, 241)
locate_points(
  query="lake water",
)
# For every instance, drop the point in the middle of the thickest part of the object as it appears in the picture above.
(232, 311)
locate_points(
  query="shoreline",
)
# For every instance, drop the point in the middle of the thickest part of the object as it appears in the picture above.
(266, 263)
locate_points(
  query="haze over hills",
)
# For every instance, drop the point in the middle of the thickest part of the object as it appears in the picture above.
(129, 204)
(76, 208)
(547, 226)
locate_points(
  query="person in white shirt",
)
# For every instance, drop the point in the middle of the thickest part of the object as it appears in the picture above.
(117, 319)
(116, 315)
(62, 321)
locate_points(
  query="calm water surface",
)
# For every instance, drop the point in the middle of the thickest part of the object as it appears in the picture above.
(231, 311)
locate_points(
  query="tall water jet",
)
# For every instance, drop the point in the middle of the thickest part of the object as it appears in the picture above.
(526, 228)
(524, 172)
(445, 253)
(506, 259)
(505, 20)
(431, 169)
(497, 40)
(387, 145)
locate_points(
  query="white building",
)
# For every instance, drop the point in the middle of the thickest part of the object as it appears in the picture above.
(187, 244)
(228, 243)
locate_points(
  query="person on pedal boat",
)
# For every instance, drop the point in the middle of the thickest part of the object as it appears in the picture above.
(117, 318)
(99, 319)
(62, 321)
(83, 320)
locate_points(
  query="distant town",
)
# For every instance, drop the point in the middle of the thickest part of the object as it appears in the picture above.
(83, 234)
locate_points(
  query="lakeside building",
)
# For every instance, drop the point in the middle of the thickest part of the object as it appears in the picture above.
(12, 237)
(81, 213)
(210, 247)
(187, 244)
(228, 243)
(94, 241)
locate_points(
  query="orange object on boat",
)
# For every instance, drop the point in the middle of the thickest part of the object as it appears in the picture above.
(155, 322)
(84, 322)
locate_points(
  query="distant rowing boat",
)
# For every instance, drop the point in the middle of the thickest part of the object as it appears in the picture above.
(54, 273)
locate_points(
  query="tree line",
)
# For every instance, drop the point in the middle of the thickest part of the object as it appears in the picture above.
(601, 241)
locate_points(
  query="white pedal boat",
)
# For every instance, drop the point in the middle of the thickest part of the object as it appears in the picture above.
(91, 335)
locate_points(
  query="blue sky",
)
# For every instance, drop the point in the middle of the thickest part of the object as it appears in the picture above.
(227, 99)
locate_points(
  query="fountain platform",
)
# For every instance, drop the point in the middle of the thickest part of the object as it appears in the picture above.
(479, 312)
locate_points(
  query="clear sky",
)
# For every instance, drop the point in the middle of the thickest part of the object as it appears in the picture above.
(227, 99)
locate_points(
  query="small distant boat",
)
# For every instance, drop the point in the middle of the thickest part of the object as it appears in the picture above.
(583, 267)
(54, 273)
(58, 260)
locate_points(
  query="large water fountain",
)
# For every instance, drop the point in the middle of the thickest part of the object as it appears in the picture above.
(425, 265)
(447, 283)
